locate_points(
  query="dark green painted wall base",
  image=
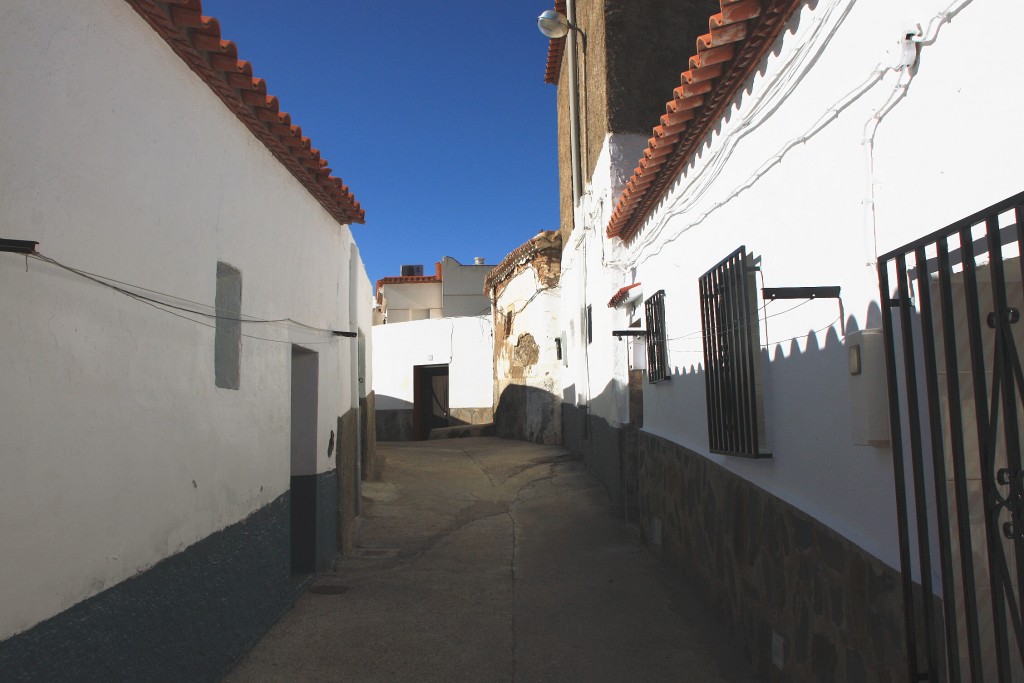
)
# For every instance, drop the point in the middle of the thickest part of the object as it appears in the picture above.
(189, 617)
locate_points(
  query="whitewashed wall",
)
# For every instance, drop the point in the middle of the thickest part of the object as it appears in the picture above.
(535, 310)
(116, 448)
(464, 344)
(597, 371)
(412, 301)
(794, 187)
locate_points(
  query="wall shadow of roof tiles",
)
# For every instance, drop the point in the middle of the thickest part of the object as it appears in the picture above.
(197, 40)
(738, 38)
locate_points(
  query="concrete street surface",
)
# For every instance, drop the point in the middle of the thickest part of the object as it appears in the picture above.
(483, 559)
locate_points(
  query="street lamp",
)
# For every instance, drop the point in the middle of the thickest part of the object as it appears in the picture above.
(553, 24)
(557, 25)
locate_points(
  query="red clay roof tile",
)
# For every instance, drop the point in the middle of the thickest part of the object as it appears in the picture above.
(620, 296)
(411, 279)
(739, 36)
(556, 48)
(197, 40)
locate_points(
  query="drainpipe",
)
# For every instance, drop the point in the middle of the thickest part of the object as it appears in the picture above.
(574, 109)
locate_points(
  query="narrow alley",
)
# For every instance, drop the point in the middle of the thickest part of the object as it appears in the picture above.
(484, 559)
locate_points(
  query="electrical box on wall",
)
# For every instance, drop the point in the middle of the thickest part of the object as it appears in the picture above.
(869, 394)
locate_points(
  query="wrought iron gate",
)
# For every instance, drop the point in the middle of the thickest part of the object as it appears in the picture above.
(952, 304)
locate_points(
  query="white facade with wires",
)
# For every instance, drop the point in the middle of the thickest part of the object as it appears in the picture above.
(866, 126)
(869, 128)
(120, 447)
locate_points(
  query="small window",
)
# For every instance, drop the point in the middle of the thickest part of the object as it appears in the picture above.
(657, 340)
(732, 357)
(590, 324)
(227, 341)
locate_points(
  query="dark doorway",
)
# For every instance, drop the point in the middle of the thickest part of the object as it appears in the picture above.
(430, 399)
(304, 404)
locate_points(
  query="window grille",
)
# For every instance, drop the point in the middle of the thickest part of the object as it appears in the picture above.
(732, 357)
(657, 343)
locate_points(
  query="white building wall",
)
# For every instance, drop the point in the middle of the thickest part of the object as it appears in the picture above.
(116, 448)
(535, 310)
(598, 370)
(792, 183)
(463, 289)
(412, 301)
(464, 344)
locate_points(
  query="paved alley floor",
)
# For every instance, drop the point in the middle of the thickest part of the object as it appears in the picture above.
(482, 560)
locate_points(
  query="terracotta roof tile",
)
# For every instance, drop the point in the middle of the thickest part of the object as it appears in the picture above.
(197, 40)
(411, 279)
(621, 295)
(556, 48)
(738, 38)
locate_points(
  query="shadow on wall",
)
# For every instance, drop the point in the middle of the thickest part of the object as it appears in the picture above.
(774, 572)
(794, 379)
(601, 445)
(397, 422)
(394, 423)
(529, 414)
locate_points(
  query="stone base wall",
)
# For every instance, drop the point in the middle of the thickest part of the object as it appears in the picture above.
(394, 425)
(368, 432)
(599, 445)
(349, 479)
(528, 414)
(470, 416)
(190, 617)
(772, 571)
(397, 425)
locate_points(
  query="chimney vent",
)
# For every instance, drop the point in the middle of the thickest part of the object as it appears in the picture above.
(478, 261)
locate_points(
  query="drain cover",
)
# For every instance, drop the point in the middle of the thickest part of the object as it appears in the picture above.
(328, 589)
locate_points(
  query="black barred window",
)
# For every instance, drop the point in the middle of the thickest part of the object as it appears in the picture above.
(732, 357)
(657, 347)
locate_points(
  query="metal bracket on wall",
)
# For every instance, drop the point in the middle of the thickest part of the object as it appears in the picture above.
(773, 293)
(629, 333)
(18, 246)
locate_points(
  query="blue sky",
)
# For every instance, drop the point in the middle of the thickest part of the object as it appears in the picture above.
(436, 115)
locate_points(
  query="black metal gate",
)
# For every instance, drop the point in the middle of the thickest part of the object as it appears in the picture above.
(952, 304)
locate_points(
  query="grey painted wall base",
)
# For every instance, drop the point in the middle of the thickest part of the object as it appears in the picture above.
(187, 618)
(326, 520)
(773, 571)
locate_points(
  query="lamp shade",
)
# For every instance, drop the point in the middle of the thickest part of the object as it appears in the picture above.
(553, 24)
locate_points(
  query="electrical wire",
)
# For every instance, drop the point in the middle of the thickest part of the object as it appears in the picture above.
(104, 281)
(768, 345)
(774, 92)
(784, 80)
(177, 310)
